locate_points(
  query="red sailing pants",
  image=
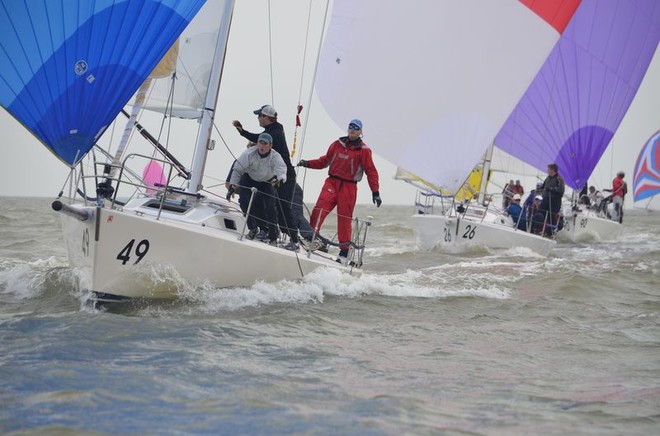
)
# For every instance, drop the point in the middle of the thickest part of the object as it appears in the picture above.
(338, 193)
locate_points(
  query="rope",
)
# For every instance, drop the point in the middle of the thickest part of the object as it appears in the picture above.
(302, 76)
(316, 67)
(270, 54)
(277, 199)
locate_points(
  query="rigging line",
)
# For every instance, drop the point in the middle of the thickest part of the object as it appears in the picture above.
(136, 122)
(309, 101)
(168, 104)
(300, 87)
(290, 229)
(222, 138)
(270, 54)
(316, 67)
(304, 59)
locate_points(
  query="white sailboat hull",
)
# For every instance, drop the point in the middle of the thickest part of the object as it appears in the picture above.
(580, 227)
(131, 253)
(453, 234)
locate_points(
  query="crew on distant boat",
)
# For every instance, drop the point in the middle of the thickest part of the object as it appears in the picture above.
(536, 216)
(592, 196)
(529, 201)
(598, 203)
(267, 171)
(518, 188)
(348, 158)
(515, 211)
(267, 116)
(507, 194)
(583, 197)
(553, 191)
(619, 191)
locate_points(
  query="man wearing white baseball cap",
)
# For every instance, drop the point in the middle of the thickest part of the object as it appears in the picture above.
(267, 117)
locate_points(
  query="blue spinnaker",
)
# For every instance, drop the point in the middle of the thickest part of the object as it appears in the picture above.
(68, 68)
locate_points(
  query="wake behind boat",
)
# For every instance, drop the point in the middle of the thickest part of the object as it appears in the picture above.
(118, 224)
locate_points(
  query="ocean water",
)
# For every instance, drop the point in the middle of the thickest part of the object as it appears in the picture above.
(484, 343)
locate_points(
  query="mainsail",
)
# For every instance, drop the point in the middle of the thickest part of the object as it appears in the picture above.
(579, 97)
(433, 81)
(646, 178)
(108, 47)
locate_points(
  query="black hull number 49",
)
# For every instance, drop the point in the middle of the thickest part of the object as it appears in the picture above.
(141, 250)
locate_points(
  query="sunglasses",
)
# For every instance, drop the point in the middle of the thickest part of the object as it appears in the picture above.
(354, 127)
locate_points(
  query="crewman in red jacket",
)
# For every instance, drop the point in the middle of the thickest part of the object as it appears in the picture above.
(348, 158)
(619, 191)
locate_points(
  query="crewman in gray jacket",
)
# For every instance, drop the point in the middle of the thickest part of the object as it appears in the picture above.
(267, 171)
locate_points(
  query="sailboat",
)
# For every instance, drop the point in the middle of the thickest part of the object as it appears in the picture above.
(574, 106)
(69, 77)
(435, 111)
(646, 178)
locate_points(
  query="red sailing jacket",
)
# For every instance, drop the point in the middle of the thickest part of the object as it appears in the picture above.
(619, 187)
(348, 161)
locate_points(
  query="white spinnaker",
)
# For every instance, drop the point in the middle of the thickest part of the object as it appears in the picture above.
(432, 81)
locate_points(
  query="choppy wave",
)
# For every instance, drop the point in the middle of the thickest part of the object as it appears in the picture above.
(501, 342)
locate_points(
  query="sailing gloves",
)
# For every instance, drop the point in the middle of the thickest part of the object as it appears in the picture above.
(302, 163)
(276, 183)
(375, 196)
(238, 125)
(230, 192)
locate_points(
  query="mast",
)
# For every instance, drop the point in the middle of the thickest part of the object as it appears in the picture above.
(208, 113)
(484, 175)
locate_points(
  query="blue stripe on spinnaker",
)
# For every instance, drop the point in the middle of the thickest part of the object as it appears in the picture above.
(65, 81)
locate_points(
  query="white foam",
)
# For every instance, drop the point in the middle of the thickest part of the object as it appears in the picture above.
(23, 280)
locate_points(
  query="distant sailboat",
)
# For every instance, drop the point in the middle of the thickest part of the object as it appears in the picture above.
(646, 178)
(69, 76)
(440, 80)
(574, 106)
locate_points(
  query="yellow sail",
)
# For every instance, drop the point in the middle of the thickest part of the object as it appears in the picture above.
(167, 64)
(470, 188)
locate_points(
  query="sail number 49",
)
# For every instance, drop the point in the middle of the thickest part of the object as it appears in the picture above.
(141, 250)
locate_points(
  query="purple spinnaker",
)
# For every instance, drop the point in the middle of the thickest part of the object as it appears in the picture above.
(572, 108)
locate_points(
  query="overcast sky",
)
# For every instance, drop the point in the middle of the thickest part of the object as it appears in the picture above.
(29, 169)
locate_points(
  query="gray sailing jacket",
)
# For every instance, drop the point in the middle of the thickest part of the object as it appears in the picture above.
(260, 169)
